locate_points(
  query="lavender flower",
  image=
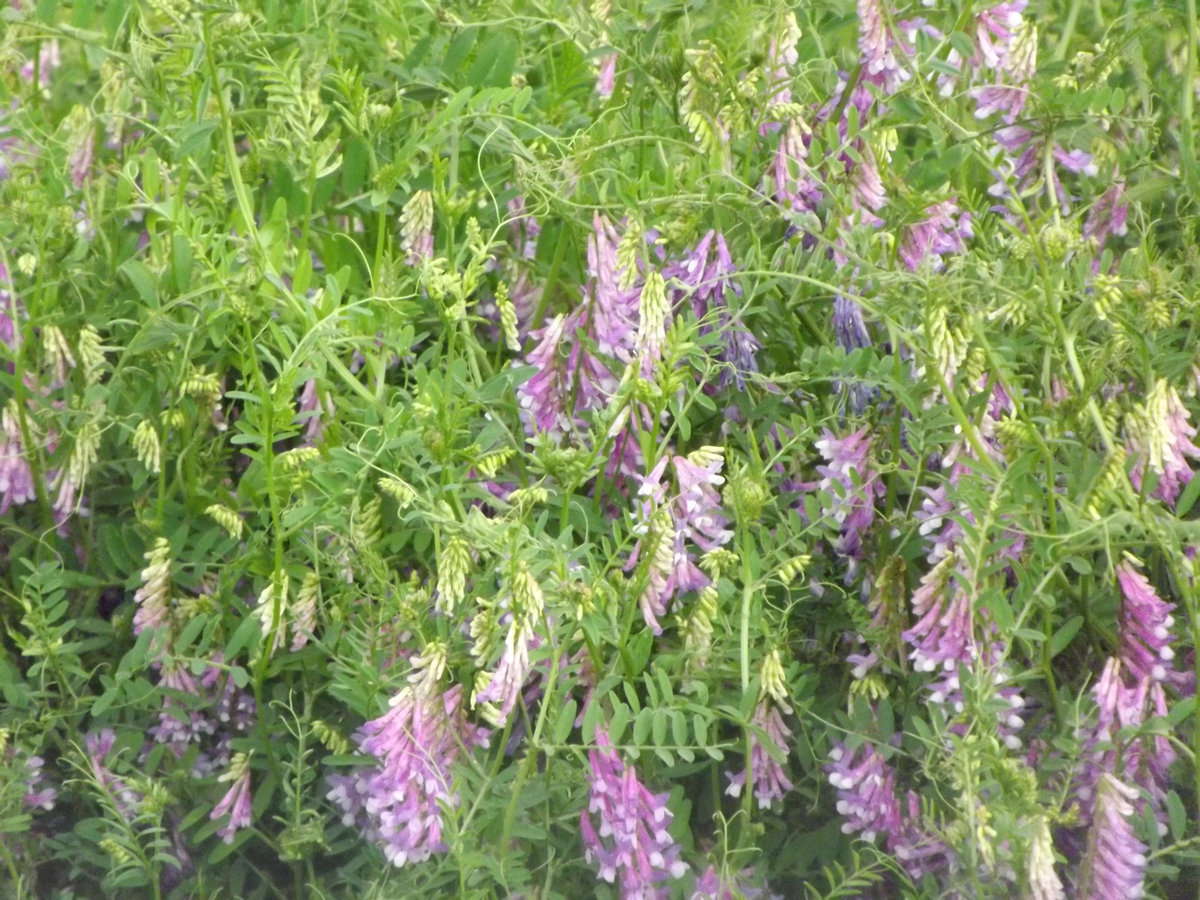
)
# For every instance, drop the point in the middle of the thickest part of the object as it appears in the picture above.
(942, 636)
(770, 779)
(791, 181)
(1108, 215)
(179, 724)
(16, 475)
(703, 278)
(1115, 865)
(49, 59)
(632, 841)
(574, 375)
(311, 413)
(416, 228)
(79, 161)
(11, 313)
(236, 802)
(945, 231)
(669, 524)
(1161, 440)
(399, 801)
(98, 745)
(37, 796)
(606, 75)
(1145, 626)
(876, 47)
(1145, 760)
(852, 487)
(868, 801)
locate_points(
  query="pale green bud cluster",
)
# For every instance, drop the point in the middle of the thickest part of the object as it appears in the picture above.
(697, 629)
(489, 464)
(629, 248)
(91, 354)
(398, 489)
(428, 667)
(655, 310)
(453, 565)
(1106, 295)
(84, 453)
(772, 680)
(58, 352)
(508, 318)
(226, 518)
(148, 447)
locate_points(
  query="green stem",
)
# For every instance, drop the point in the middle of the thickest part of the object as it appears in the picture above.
(1188, 148)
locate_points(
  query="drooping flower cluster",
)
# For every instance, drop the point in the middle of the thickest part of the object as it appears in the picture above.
(768, 739)
(871, 806)
(236, 802)
(207, 712)
(572, 378)
(672, 526)
(631, 844)
(398, 802)
(1129, 692)
(851, 486)
(703, 279)
(1161, 442)
(945, 230)
(1114, 866)
(38, 793)
(98, 746)
(527, 609)
(877, 48)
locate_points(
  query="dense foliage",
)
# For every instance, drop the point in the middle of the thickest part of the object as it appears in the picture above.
(658, 449)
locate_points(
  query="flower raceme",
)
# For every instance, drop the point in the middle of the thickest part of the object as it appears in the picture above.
(672, 526)
(399, 801)
(632, 843)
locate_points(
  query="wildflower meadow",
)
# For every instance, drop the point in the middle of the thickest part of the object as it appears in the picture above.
(700, 449)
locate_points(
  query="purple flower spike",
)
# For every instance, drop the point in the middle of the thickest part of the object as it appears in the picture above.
(668, 524)
(945, 231)
(1162, 440)
(16, 475)
(868, 800)
(876, 48)
(398, 803)
(942, 636)
(36, 795)
(770, 779)
(1108, 215)
(632, 841)
(236, 802)
(1115, 865)
(1145, 626)
(852, 504)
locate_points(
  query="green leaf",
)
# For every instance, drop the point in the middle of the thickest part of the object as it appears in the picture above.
(591, 718)
(1176, 815)
(565, 722)
(618, 722)
(1064, 635)
(1187, 499)
(962, 43)
(142, 280)
(642, 725)
(247, 634)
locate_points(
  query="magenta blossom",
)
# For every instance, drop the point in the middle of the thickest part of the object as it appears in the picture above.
(632, 843)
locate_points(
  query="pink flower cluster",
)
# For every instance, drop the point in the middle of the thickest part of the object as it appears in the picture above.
(672, 525)
(632, 844)
(399, 801)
